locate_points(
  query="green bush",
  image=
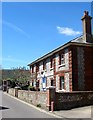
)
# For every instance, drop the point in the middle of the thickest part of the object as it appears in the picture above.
(32, 88)
(38, 105)
(24, 87)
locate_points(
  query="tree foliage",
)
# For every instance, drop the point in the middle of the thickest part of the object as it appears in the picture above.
(20, 76)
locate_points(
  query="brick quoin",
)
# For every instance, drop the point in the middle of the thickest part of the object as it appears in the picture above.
(54, 71)
(70, 69)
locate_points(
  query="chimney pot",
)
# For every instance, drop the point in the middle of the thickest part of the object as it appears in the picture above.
(85, 13)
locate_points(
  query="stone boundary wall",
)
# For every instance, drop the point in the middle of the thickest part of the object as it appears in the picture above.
(33, 97)
(72, 100)
(52, 100)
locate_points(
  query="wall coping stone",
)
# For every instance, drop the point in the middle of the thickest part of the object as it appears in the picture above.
(50, 87)
(73, 92)
(61, 91)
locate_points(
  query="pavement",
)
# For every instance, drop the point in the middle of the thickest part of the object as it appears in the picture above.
(81, 112)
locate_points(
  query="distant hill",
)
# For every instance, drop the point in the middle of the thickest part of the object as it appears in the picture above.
(14, 74)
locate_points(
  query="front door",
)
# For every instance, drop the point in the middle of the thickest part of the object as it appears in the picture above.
(44, 82)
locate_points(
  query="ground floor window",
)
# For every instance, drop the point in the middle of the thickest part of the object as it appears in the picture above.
(52, 82)
(32, 83)
(62, 83)
(37, 83)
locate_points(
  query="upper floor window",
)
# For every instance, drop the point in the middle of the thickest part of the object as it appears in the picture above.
(61, 59)
(37, 67)
(51, 62)
(32, 69)
(44, 65)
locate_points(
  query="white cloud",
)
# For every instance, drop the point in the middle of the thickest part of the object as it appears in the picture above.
(67, 31)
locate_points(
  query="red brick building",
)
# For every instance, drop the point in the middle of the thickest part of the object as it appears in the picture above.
(69, 67)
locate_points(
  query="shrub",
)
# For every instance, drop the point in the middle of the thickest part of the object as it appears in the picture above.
(31, 88)
(38, 105)
(24, 87)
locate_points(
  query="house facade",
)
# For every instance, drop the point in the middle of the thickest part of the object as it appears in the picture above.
(69, 67)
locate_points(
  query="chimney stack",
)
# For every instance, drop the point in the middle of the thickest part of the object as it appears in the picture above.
(87, 32)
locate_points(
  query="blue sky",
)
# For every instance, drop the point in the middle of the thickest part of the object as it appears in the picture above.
(32, 29)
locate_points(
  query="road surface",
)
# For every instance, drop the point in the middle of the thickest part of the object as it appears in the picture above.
(12, 108)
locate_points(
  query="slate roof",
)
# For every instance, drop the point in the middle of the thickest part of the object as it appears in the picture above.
(77, 41)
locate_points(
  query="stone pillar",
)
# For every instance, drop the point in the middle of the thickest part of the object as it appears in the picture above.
(16, 91)
(50, 97)
(52, 106)
(4, 85)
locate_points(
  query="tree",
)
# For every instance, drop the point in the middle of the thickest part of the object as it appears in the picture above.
(18, 76)
(21, 76)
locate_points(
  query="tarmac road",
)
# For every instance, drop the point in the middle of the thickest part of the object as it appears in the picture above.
(12, 108)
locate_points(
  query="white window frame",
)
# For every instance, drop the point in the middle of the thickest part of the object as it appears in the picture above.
(62, 59)
(62, 83)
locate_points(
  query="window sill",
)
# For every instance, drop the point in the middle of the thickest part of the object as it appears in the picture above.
(63, 90)
(62, 65)
(38, 72)
(44, 71)
(51, 68)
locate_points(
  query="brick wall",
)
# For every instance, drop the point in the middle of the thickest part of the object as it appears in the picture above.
(74, 68)
(88, 54)
(61, 100)
(68, 100)
(82, 68)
